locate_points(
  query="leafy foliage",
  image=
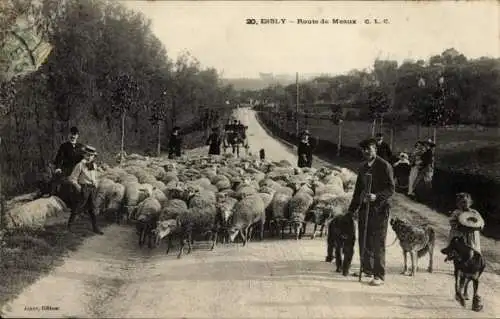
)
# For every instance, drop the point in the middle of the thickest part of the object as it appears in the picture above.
(105, 62)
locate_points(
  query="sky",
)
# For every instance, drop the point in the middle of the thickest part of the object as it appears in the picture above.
(216, 33)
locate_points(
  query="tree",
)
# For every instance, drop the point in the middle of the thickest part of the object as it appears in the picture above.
(378, 104)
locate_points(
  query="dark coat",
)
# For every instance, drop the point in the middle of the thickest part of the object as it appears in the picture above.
(214, 141)
(384, 151)
(402, 176)
(174, 146)
(68, 156)
(383, 186)
(304, 152)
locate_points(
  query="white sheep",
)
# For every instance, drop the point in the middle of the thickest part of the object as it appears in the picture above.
(224, 207)
(148, 213)
(247, 212)
(298, 207)
(34, 214)
(115, 201)
(160, 196)
(280, 212)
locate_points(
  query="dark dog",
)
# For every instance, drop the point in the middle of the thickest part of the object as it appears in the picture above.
(342, 237)
(416, 240)
(469, 265)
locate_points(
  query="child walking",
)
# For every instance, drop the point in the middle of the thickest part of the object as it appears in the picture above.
(471, 236)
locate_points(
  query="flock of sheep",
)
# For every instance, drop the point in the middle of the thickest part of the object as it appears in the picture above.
(207, 198)
(221, 196)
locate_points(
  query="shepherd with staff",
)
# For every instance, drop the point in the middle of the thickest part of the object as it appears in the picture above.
(370, 202)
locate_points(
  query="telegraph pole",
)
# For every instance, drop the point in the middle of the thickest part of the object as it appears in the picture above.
(297, 104)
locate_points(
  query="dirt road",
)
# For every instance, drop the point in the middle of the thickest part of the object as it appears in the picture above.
(109, 277)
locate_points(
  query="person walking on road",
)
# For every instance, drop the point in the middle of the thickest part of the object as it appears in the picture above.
(383, 149)
(175, 143)
(377, 219)
(416, 162)
(84, 178)
(214, 141)
(423, 181)
(305, 150)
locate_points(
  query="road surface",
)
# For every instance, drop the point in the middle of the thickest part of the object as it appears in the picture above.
(108, 276)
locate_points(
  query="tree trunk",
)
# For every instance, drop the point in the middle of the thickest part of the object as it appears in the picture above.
(418, 132)
(2, 206)
(434, 134)
(374, 123)
(391, 138)
(159, 139)
(339, 145)
(122, 146)
(382, 124)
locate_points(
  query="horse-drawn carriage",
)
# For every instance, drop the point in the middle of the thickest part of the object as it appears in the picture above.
(235, 136)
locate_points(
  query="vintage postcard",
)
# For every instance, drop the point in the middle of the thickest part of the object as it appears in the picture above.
(249, 159)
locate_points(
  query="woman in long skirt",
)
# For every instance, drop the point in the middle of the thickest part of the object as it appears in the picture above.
(416, 161)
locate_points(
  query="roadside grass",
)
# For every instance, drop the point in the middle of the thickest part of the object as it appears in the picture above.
(468, 149)
(26, 255)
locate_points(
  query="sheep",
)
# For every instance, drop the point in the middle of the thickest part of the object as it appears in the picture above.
(148, 214)
(326, 207)
(267, 199)
(104, 190)
(132, 197)
(246, 212)
(348, 178)
(169, 177)
(279, 209)
(160, 186)
(160, 196)
(245, 191)
(224, 207)
(334, 188)
(195, 219)
(34, 214)
(222, 182)
(298, 208)
(200, 217)
(175, 189)
(173, 209)
(115, 201)
(165, 229)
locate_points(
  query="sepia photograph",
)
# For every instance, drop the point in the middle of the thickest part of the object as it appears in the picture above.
(249, 159)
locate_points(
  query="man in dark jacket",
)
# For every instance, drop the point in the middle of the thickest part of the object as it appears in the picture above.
(383, 149)
(382, 188)
(305, 150)
(69, 154)
(174, 145)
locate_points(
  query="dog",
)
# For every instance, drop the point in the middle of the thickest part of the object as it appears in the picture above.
(469, 265)
(341, 237)
(415, 240)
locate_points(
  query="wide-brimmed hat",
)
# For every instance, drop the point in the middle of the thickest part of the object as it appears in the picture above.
(403, 155)
(470, 220)
(89, 150)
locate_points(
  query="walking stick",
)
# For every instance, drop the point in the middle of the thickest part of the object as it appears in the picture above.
(368, 183)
